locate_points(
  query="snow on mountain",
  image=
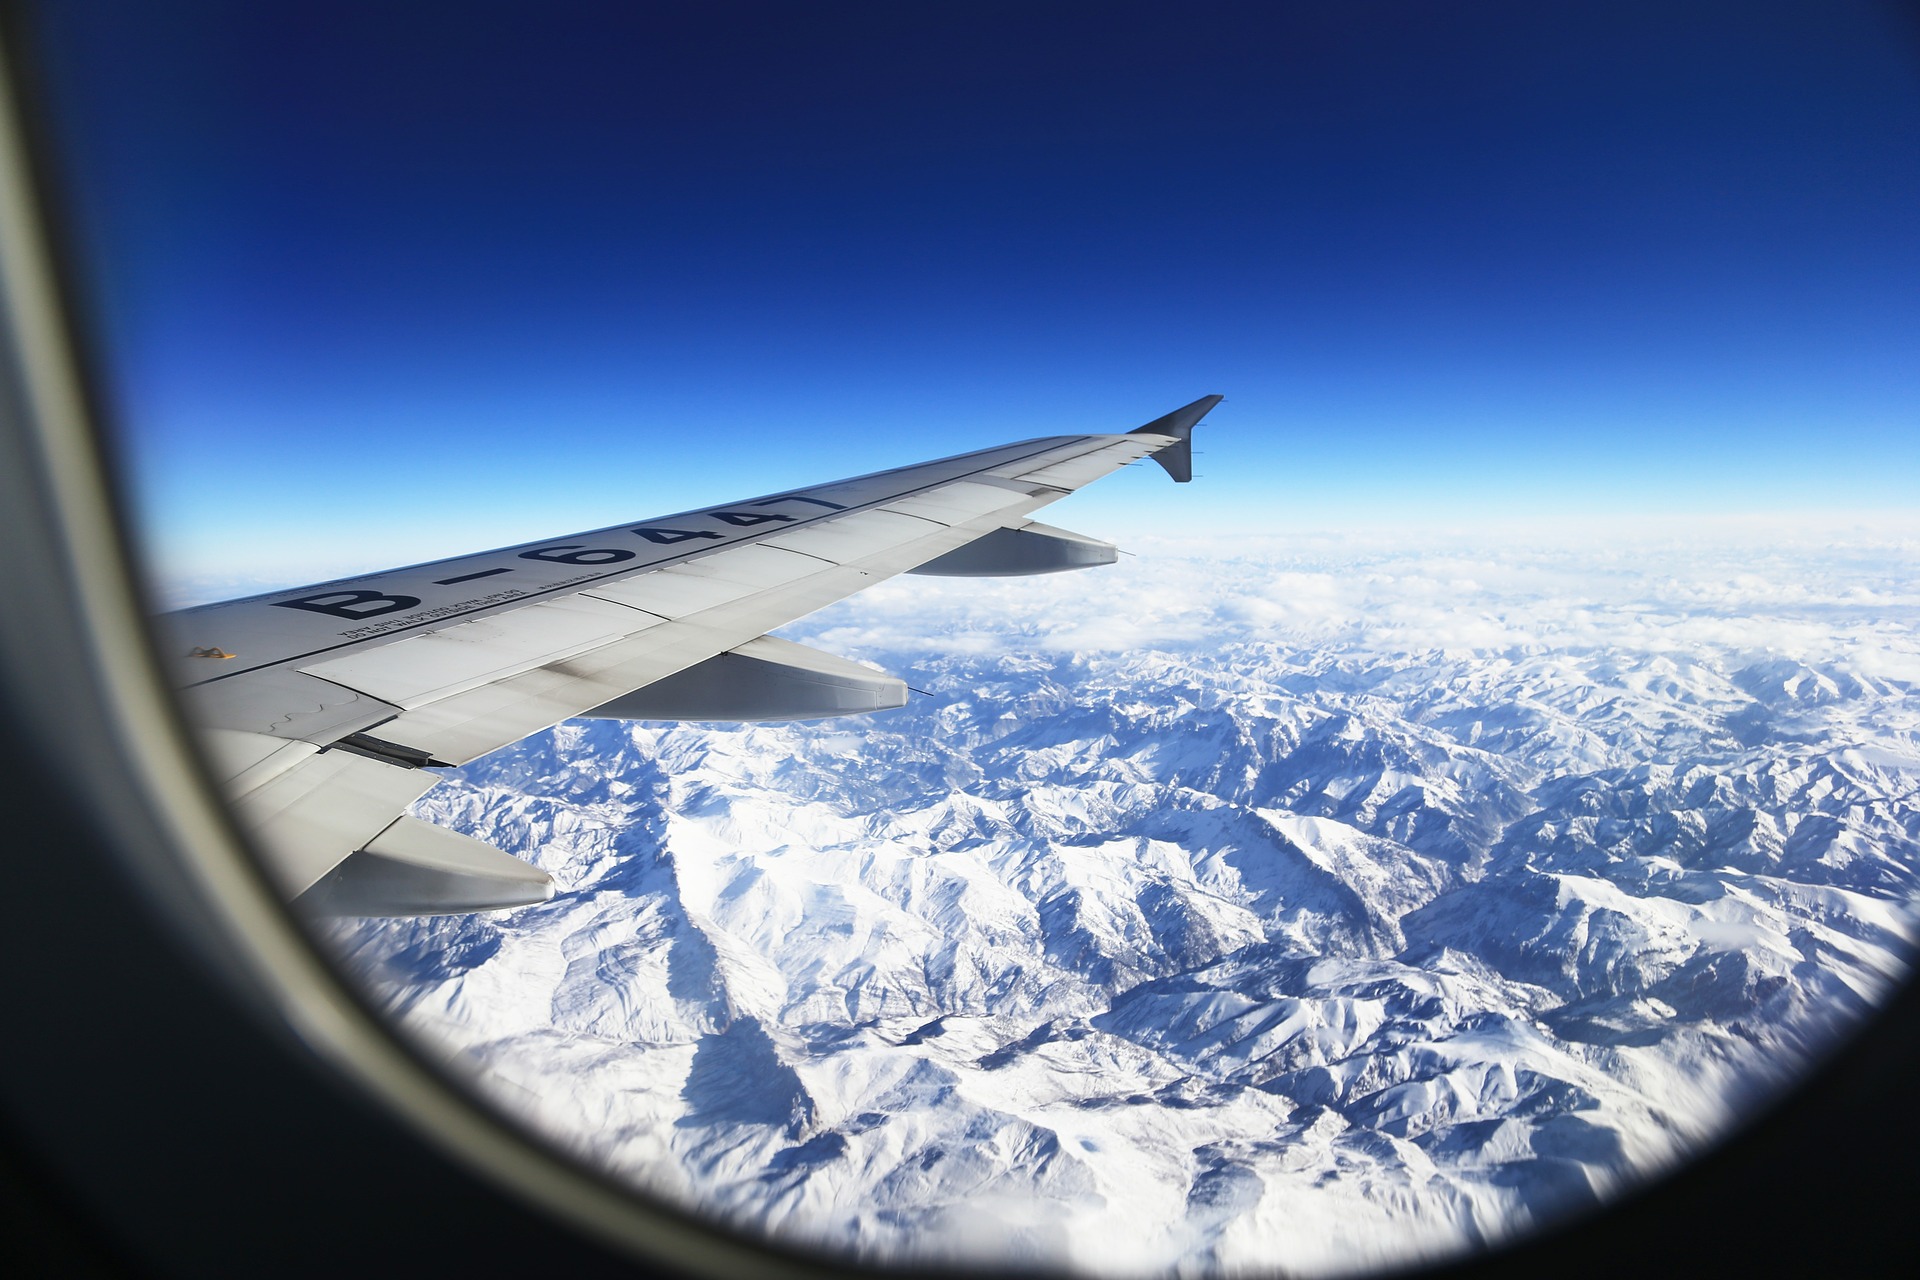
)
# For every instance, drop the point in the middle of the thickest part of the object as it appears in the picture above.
(1307, 905)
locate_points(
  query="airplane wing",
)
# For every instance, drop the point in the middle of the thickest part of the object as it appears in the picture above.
(326, 708)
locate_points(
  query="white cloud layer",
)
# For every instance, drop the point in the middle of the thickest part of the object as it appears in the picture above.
(1792, 593)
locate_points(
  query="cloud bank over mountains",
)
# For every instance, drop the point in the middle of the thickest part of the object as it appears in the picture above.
(1301, 902)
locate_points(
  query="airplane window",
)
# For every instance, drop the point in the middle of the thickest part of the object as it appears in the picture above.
(972, 798)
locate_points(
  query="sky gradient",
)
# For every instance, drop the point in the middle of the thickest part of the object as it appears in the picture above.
(381, 283)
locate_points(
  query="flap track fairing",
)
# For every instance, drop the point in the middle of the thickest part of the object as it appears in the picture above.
(1021, 550)
(414, 868)
(762, 680)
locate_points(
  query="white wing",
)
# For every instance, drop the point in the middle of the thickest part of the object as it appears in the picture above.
(325, 707)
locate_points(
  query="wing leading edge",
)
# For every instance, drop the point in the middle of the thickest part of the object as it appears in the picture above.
(325, 708)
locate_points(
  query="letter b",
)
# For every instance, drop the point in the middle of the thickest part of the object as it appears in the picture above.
(353, 605)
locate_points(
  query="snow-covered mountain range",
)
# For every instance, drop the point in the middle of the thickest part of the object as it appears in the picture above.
(1300, 904)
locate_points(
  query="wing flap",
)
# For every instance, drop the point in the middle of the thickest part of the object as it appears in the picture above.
(467, 725)
(311, 816)
(413, 672)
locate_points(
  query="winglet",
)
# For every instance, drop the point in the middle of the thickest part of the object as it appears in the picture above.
(1178, 458)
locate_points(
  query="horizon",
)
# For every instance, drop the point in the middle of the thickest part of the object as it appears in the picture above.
(411, 288)
(1889, 534)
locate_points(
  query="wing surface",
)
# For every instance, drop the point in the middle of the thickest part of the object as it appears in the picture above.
(325, 708)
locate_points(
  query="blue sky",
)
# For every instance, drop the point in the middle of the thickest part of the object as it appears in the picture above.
(378, 283)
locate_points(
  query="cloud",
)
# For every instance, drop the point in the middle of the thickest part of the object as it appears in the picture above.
(1807, 592)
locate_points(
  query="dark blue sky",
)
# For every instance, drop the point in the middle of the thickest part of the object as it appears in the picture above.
(388, 281)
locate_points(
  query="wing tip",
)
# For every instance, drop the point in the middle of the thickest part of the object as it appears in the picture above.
(1177, 458)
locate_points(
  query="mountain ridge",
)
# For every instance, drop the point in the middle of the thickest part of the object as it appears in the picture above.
(1274, 951)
